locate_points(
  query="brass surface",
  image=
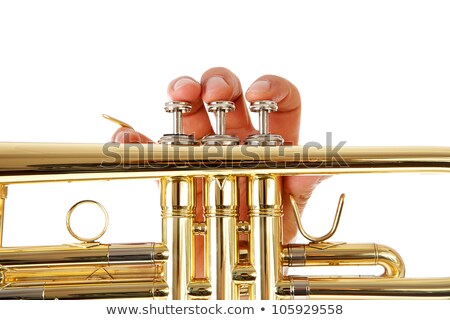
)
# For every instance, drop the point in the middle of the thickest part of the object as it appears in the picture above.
(344, 254)
(3, 195)
(294, 288)
(83, 272)
(221, 204)
(69, 215)
(154, 289)
(50, 162)
(265, 211)
(178, 210)
(199, 289)
(333, 229)
(100, 254)
(234, 269)
(117, 121)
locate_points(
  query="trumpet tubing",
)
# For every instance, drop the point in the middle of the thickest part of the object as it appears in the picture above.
(3, 193)
(221, 205)
(77, 273)
(265, 210)
(100, 254)
(344, 254)
(178, 210)
(153, 289)
(242, 259)
(293, 288)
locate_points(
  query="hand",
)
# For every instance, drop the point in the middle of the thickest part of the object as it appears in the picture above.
(221, 84)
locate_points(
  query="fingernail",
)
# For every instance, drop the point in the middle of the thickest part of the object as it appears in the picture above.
(182, 82)
(259, 86)
(215, 83)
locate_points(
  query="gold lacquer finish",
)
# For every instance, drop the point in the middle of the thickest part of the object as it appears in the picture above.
(221, 205)
(117, 121)
(178, 210)
(3, 194)
(360, 288)
(344, 254)
(156, 289)
(69, 215)
(247, 269)
(86, 270)
(83, 272)
(100, 254)
(265, 211)
(199, 289)
(51, 162)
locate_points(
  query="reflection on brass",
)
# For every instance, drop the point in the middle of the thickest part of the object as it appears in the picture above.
(265, 211)
(221, 204)
(344, 254)
(99, 254)
(292, 288)
(243, 260)
(3, 195)
(178, 210)
(82, 272)
(154, 289)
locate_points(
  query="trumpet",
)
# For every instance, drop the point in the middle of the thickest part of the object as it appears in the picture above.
(242, 259)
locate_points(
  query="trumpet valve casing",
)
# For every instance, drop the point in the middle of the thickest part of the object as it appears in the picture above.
(265, 212)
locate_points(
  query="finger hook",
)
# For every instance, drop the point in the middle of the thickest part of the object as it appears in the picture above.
(330, 233)
(117, 121)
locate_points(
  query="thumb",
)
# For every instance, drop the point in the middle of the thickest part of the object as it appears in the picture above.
(128, 135)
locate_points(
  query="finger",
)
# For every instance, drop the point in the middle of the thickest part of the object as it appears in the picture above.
(128, 135)
(188, 90)
(214, 88)
(222, 84)
(286, 121)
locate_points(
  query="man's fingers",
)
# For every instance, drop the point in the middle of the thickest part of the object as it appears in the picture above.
(127, 135)
(188, 90)
(222, 84)
(286, 121)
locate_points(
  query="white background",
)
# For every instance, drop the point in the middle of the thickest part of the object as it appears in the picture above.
(372, 73)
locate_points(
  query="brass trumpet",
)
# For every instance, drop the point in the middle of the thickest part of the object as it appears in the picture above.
(234, 269)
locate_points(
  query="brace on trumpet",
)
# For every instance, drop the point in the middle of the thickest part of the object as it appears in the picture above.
(242, 259)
